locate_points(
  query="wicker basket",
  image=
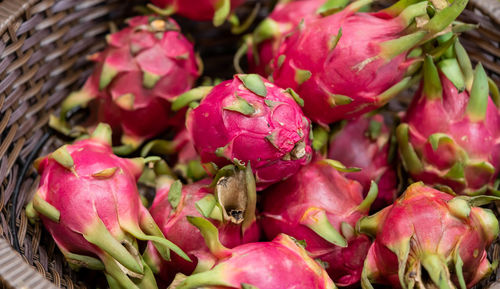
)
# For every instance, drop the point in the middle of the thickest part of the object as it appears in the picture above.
(43, 50)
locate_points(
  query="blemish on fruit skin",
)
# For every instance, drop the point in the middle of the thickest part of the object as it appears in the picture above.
(475, 253)
(205, 114)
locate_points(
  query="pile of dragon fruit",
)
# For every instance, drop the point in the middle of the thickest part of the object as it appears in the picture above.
(290, 174)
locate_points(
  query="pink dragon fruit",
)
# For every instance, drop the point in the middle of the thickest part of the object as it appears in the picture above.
(339, 82)
(173, 202)
(262, 46)
(250, 120)
(88, 201)
(265, 265)
(143, 69)
(450, 136)
(365, 143)
(202, 10)
(321, 207)
(429, 239)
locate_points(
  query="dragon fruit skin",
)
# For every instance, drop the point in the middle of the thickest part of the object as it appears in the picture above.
(280, 263)
(88, 201)
(271, 32)
(234, 124)
(426, 229)
(317, 202)
(175, 226)
(449, 137)
(144, 68)
(364, 143)
(185, 147)
(338, 82)
(203, 10)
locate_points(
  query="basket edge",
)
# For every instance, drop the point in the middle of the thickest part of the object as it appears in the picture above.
(10, 10)
(12, 263)
(488, 7)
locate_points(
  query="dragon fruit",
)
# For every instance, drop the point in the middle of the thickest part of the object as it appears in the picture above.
(262, 46)
(365, 143)
(321, 207)
(337, 81)
(88, 201)
(173, 202)
(250, 120)
(202, 10)
(144, 68)
(450, 136)
(429, 239)
(278, 264)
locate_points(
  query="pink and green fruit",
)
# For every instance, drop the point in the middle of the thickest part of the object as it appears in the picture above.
(145, 67)
(349, 63)
(321, 206)
(173, 202)
(365, 143)
(429, 239)
(89, 202)
(263, 44)
(278, 264)
(202, 10)
(250, 120)
(450, 136)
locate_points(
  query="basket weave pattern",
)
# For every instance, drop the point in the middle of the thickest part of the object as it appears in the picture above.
(43, 49)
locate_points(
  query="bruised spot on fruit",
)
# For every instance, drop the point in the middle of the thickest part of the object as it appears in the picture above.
(299, 151)
(232, 195)
(158, 25)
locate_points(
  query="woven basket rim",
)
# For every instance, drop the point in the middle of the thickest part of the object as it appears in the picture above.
(490, 8)
(10, 10)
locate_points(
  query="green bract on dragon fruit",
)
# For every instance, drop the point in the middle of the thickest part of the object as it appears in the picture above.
(450, 136)
(202, 10)
(321, 207)
(280, 263)
(144, 68)
(250, 120)
(429, 239)
(88, 201)
(365, 143)
(219, 204)
(349, 63)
